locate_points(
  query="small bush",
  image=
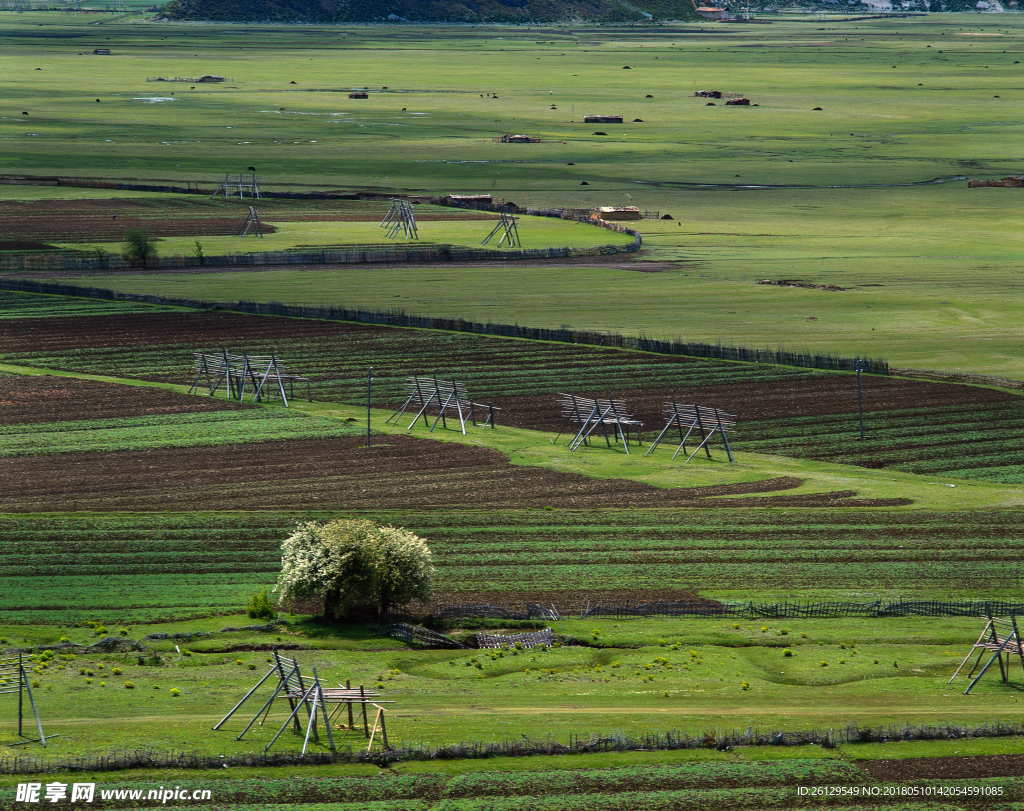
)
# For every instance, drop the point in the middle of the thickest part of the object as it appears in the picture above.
(745, 685)
(117, 671)
(260, 606)
(175, 692)
(129, 685)
(787, 652)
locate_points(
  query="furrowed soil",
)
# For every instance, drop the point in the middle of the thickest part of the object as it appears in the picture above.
(45, 398)
(335, 346)
(30, 225)
(395, 473)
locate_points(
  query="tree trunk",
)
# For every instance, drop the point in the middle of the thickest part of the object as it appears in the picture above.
(332, 604)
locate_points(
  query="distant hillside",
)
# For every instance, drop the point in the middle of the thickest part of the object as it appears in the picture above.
(424, 11)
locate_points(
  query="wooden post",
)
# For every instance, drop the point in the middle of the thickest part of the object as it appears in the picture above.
(369, 393)
(351, 720)
(366, 725)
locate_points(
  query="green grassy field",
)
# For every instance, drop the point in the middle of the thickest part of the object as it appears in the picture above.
(840, 196)
(778, 191)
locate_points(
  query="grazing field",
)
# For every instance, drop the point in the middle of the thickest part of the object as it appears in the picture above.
(867, 194)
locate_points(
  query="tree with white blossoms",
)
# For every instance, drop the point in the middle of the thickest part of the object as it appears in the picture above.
(355, 563)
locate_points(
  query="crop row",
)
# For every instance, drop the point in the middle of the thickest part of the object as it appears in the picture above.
(166, 430)
(975, 441)
(18, 305)
(337, 356)
(163, 565)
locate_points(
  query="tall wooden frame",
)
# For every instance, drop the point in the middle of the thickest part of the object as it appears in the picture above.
(308, 702)
(447, 396)
(14, 679)
(706, 421)
(999, 636)
(591, 413)
(400, 217)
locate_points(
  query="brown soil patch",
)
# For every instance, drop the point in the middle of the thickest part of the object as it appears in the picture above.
(211, 328)
(806, 285)
(29, 224)
(43, 398)
(564, 601)
(968, 767)
(397, 473)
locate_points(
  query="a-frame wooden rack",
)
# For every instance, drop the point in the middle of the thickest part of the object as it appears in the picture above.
(262, 375)
(400, 217)
(308, 699)
(592, 413)
(252, 223)
(1001, 636)
(706, 421)
(509, 231)
(14, 679)
(448, 397)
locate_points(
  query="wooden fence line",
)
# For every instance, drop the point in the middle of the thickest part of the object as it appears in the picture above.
(961, 377)
(399, 318)
(614, 742)
(742, 610)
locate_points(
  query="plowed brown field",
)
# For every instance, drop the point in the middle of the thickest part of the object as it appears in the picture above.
(30, 225)
(397, 472)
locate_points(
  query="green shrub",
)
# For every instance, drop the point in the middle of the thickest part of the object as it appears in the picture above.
(129, 685)
(260, 606)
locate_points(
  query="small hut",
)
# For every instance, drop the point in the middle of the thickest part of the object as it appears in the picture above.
(616, 213)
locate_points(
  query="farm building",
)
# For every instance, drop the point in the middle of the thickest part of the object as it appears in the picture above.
(101, 51)
(602, 119)
(470, 199)
(709, 13)
(359, 95)
(616, 213)
(209, 79)
(519, 139)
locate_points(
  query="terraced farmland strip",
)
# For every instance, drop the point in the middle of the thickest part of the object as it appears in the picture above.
(145, 566)
(166, 431)
(914, 426)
